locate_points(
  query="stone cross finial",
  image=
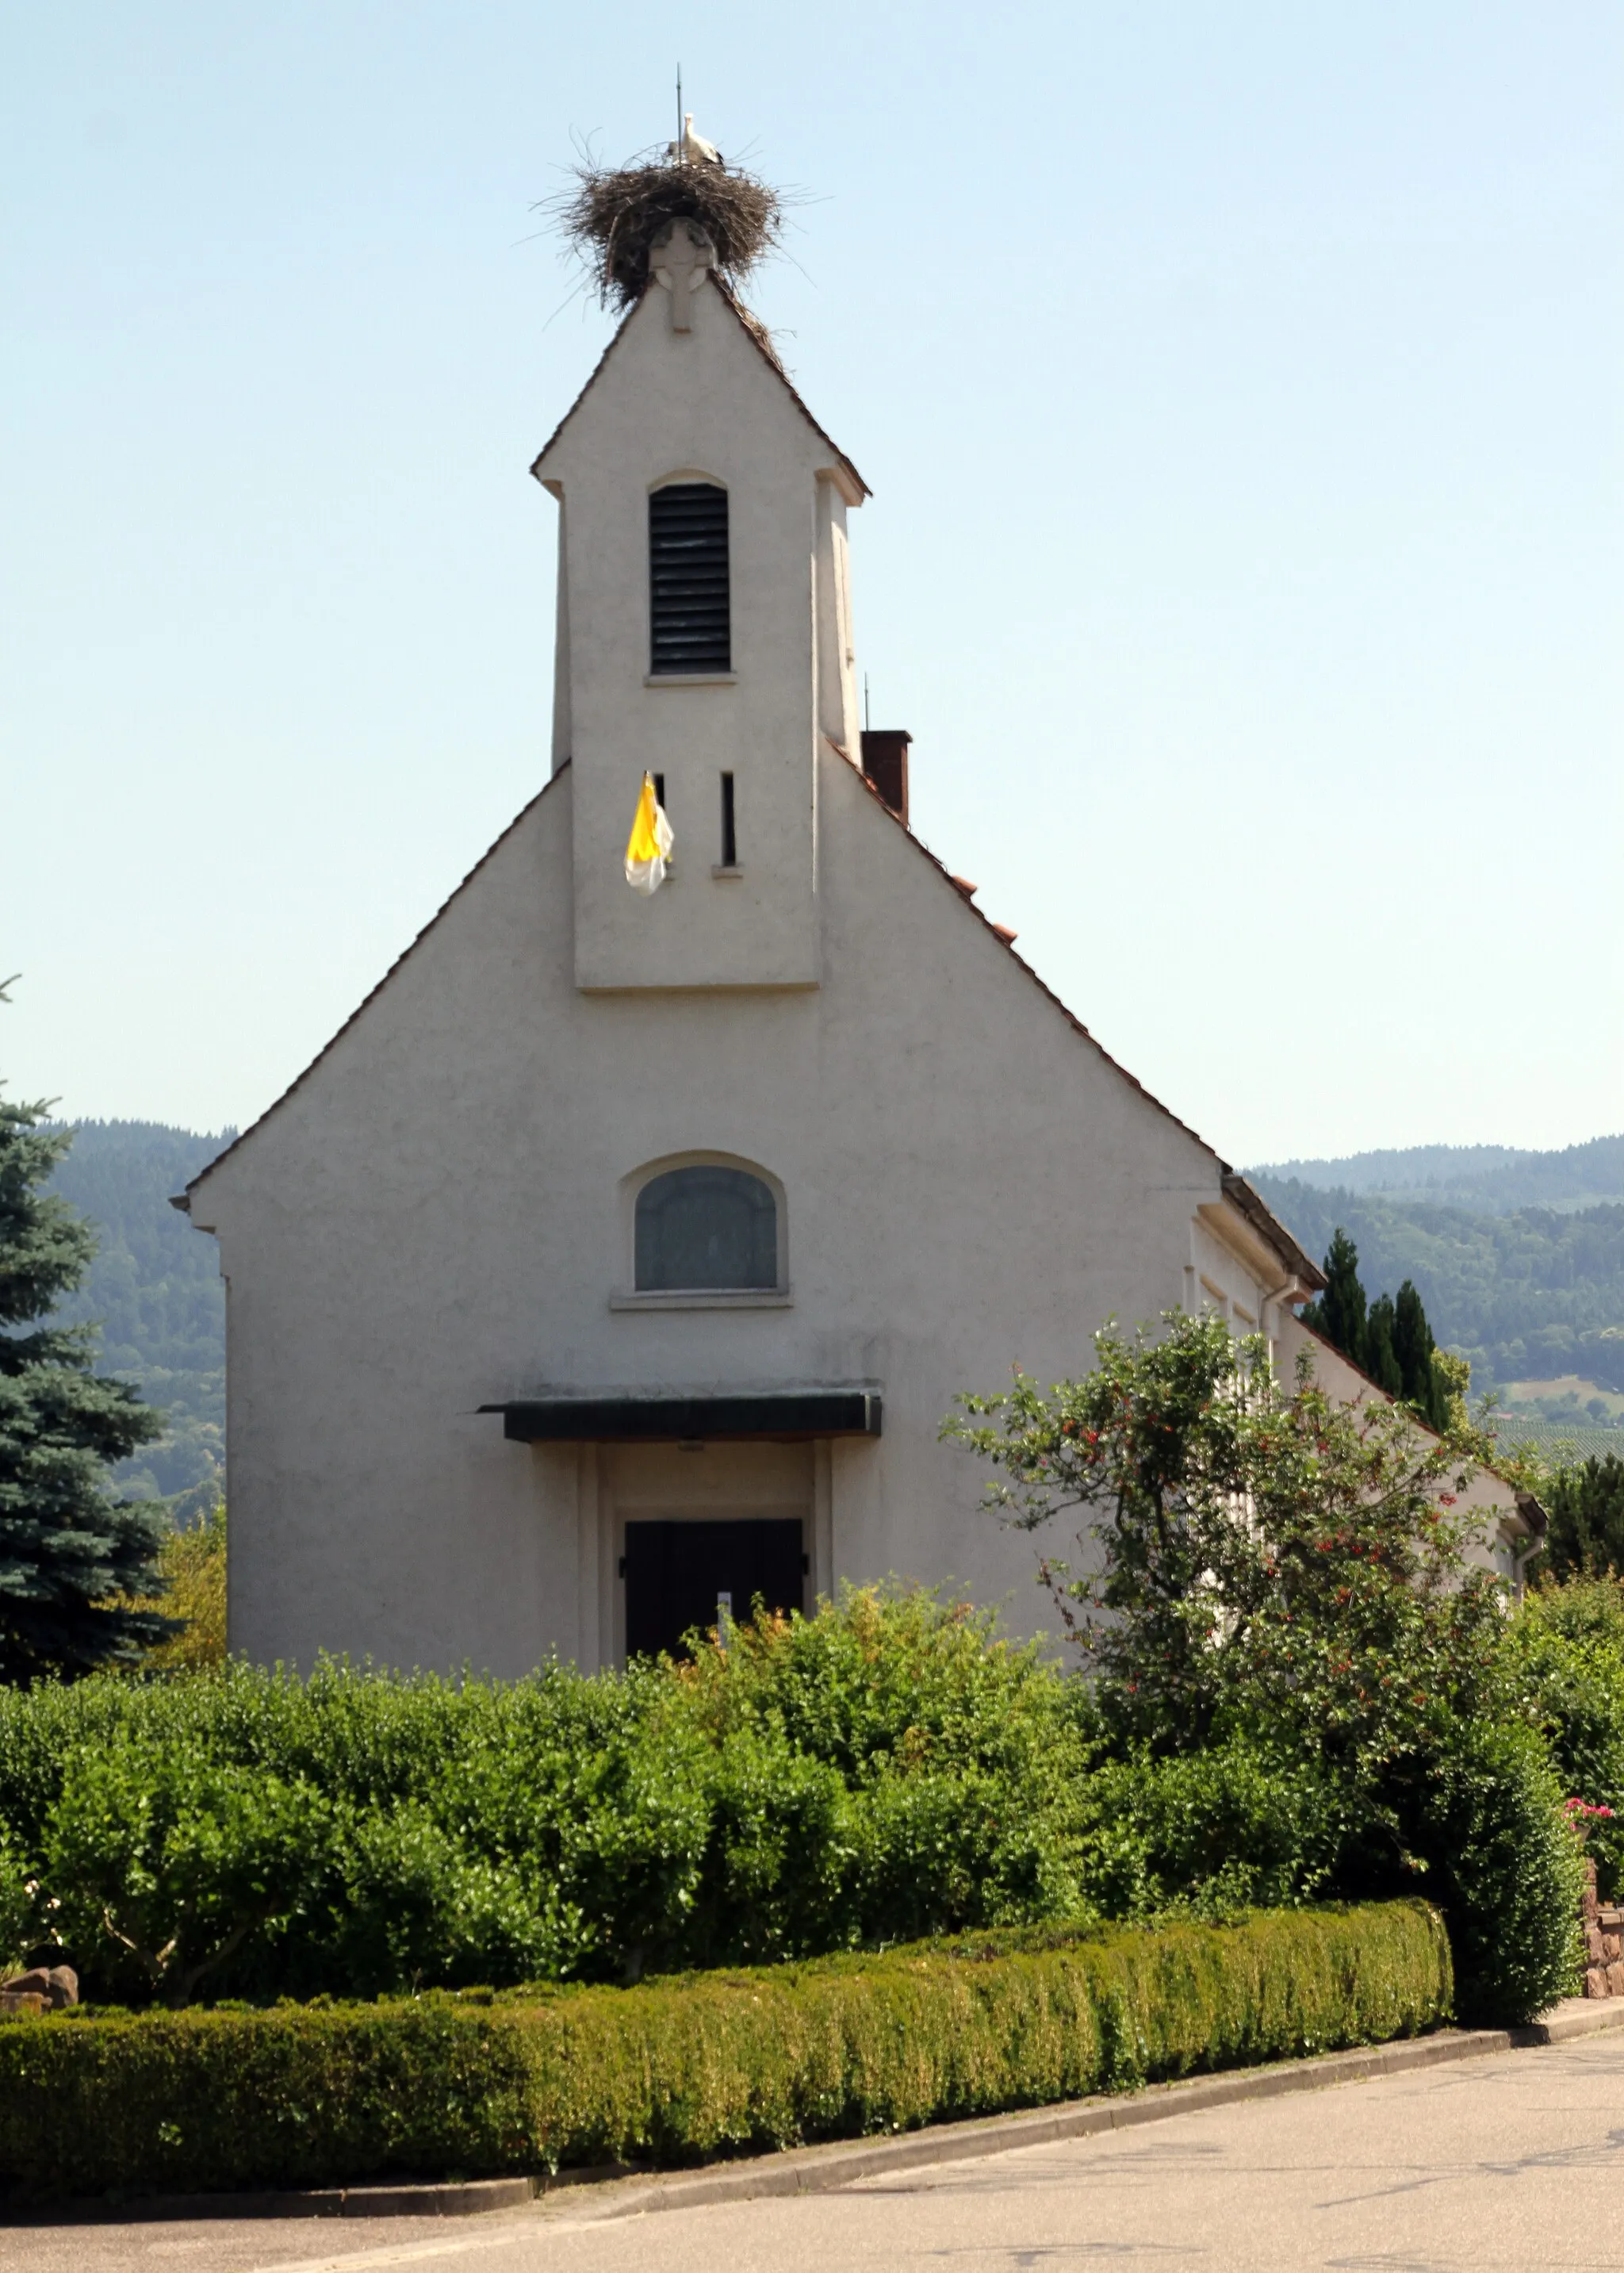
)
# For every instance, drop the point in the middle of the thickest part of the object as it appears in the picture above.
(679, 257)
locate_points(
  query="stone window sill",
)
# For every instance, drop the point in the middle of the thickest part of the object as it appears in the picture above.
(721, 872)
(691, 678)
(702, 1298)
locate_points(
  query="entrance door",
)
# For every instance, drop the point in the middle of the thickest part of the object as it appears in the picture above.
(676, 1573)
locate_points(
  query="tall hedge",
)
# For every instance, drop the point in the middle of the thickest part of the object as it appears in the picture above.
(677, 2069)
(886, 1771)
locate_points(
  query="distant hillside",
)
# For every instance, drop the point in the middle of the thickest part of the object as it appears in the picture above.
(156, 1291)
(1489, 1179)
(1534, 1293)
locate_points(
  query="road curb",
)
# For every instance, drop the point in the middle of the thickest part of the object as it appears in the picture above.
(819, 2170)
(617, 2192)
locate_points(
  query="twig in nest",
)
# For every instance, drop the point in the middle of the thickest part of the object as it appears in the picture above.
(613, 215)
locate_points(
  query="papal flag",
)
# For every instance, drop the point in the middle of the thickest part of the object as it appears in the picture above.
(649, 847)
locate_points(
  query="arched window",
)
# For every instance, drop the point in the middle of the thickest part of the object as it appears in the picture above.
(705, 1227)
(689, 616)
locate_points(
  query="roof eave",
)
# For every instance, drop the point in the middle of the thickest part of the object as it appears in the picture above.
(1269, 1228)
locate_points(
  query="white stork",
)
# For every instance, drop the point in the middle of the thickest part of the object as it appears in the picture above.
(693, 149)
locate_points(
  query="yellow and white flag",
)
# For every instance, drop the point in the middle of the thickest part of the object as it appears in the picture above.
(649, 847)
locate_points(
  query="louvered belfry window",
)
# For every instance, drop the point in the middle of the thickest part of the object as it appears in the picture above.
(688, 579)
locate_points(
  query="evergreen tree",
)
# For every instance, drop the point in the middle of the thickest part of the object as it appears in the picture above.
(1389, 1338)
(1422, 1383)
(1339, 1314)
(1585, 1504)
(66, 1545)
(1380, 1357)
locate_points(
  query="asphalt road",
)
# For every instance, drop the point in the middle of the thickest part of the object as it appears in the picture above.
(1510, 2161)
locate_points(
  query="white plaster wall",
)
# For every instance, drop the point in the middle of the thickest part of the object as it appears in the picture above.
(700, 404)
(432, 1221)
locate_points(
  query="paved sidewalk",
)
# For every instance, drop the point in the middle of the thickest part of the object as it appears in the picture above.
(1513, 2161)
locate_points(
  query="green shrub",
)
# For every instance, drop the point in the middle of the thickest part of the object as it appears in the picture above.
(20, 1923)
(166, 1855)
(1210, 1830)
(1586, 1503)
(1484, 1824)
(1589, 1610)
(1567, 1649)
(677, 2069)
(887, 1770)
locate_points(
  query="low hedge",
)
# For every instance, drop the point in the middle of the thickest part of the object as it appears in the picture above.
(476, 2083)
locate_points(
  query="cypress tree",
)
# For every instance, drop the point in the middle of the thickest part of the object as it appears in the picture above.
(1339, 1314)
(66, 1544)
(1380, 1357)
(1413, 1347)
(1389, 1338)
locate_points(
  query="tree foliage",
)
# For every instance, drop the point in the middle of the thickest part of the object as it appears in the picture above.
(154, 1289)
(67, 1548)
(1265, 1571)
(1255, 1554)
(1567, 1648)
(1389, 1338)
(192, 1572)
(1585, 1503)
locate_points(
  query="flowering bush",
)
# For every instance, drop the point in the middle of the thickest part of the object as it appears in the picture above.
(1581, 1815)
(1254, 1557)
(1264, 1570)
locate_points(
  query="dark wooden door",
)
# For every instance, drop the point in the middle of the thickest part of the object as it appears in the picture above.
(677, 1573)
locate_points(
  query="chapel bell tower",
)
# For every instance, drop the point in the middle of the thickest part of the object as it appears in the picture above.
(704, 636)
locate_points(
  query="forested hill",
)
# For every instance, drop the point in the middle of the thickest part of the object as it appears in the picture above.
(1486, 1179)
(1537, 1292)
(156, 1291)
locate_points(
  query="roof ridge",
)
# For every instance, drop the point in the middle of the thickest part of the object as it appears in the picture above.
(754, 330)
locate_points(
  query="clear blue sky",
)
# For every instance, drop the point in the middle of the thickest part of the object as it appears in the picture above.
(1240, 389)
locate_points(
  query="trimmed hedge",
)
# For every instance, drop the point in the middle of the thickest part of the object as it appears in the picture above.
(676, 2069)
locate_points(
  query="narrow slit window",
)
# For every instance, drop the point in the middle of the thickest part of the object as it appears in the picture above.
(729, 842)
(690, 617)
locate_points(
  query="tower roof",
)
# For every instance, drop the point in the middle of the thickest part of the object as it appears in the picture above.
(760, 339)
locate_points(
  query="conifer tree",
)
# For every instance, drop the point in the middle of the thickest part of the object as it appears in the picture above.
(1381, 1362)
(1413, 1347)
(66, 1544)
(1586, 1503)
(1389, 1338)
(1339, 1314)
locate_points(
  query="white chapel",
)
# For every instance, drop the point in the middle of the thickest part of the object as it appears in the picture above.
(623, 1254)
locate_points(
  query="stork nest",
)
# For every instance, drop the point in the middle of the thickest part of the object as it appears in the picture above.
(613, 215)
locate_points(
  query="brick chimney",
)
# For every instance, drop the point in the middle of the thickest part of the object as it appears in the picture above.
(885, 761)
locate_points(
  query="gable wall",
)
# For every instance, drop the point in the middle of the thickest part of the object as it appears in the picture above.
(434, 1220)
